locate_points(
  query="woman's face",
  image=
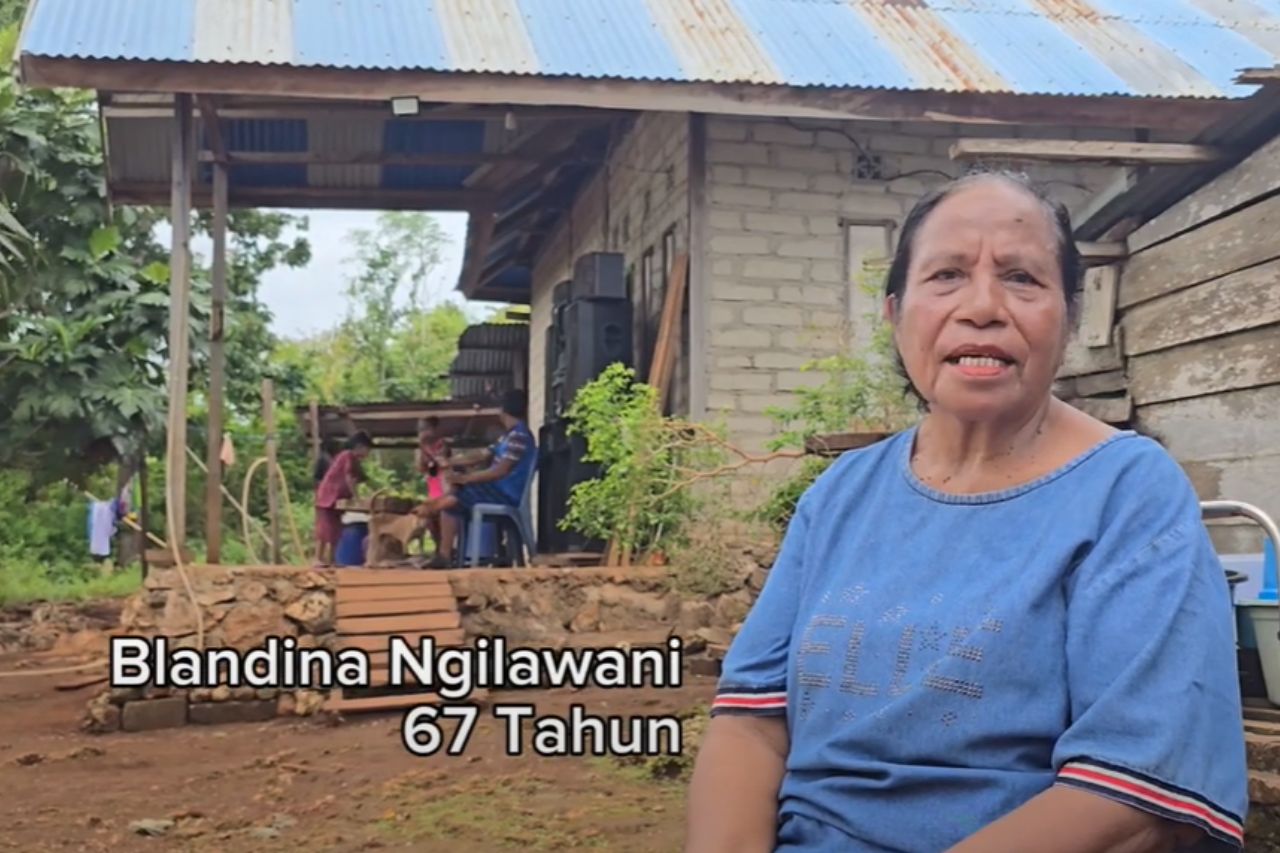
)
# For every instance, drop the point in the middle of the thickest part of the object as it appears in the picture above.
(982, 325)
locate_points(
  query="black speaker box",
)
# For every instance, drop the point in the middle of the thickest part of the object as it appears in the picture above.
(597, 333)
(600, 275)
(560, 468)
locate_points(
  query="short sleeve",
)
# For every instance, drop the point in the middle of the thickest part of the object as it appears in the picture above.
(1156, 718)
(515, 447)
(753, 677)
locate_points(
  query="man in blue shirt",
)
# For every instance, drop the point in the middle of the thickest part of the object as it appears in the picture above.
(509, 465)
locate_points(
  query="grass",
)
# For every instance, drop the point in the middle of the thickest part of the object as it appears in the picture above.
(525, 812)
(25, 582)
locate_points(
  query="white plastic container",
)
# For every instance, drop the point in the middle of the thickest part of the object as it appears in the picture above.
(1264, 618)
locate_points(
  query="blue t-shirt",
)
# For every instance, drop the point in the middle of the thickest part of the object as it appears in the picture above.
(518, 446)
(942, 659)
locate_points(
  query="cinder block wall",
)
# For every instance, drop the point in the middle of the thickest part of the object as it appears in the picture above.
(780, 194)
(627, 207)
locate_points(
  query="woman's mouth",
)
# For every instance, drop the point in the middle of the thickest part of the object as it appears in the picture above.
(980, 365)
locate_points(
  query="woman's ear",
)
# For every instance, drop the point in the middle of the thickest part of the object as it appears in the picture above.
(891, 309)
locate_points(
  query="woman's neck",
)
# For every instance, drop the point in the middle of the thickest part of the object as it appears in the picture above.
(980, 455)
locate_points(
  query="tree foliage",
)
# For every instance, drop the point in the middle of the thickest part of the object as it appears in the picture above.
(388, 348)
(84, 291)
(641, 499)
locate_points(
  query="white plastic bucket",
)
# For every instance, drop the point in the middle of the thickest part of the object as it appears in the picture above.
(1265, 619)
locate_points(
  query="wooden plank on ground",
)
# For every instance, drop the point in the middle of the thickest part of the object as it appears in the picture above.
(1211, 251)
(82, 681)
(397, 702)
(1242, 360)
(1257, 175)
(1242, 300)
(390, 592)
(397, 624)
(380, 642)
(418, 604)
(382, 577)
(576, 558)
(378, 650)
(1092, 151)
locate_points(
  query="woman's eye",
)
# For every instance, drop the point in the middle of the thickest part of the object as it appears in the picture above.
(1021, 278)
(946, 275)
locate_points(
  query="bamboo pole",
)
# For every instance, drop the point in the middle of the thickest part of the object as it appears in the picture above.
(273, 495)
(217, 370)
(179, 320)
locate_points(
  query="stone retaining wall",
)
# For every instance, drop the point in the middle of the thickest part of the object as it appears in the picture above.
(243, 606)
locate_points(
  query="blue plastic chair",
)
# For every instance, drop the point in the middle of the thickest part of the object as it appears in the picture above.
(521, 517)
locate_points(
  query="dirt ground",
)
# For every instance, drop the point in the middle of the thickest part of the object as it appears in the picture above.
(307, 784)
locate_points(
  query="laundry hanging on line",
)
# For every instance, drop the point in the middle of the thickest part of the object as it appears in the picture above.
(103, 519)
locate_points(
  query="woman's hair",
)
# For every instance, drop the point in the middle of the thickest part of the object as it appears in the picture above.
(1068, 255)
(360, 439)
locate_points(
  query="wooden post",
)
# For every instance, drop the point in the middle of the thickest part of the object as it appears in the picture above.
(217, 370)
(273, 497)
(314, 426)
(144, 514)
(179, 321)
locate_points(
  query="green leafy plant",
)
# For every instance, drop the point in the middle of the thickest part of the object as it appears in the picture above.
(861, 392)
(641, 500)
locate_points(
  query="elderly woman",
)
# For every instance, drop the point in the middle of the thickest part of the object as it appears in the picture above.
(1003, 629)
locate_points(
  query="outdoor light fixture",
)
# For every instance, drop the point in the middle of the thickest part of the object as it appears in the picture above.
(404, 106)
(509, 121)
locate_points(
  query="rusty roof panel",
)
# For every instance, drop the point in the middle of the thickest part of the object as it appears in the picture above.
(1165, 48)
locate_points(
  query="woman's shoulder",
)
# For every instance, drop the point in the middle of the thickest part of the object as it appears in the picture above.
(1140, 486)
(1133, 459)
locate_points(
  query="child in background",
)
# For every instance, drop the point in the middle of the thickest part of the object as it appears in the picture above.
(433, 453)
(341, 482)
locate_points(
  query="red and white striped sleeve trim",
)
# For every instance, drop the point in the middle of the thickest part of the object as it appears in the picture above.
(1158, 797)
(742, 700)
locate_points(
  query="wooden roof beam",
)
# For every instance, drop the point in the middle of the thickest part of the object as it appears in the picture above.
(364, 158)
(213, 127)
(506, 92)
(322, 198)
(1093, 151)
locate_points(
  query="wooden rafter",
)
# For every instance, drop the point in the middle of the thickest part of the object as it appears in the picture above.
(213, 127)
(363, 158)
(493, 90)
(351, 198)
(1092, 151)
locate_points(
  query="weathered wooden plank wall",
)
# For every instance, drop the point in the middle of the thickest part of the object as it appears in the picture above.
(1198, 310)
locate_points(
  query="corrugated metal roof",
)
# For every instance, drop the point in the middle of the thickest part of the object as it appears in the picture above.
(1167, 48)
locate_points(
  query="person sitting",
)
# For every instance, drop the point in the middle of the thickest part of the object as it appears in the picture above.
(341, 482)
(1003, 629)
(506, 469)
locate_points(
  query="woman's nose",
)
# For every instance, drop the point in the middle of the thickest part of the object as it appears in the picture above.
(982, 302)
